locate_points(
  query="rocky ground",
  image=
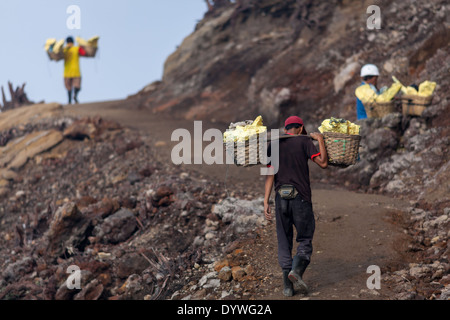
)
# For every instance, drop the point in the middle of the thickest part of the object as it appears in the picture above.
(97, 197)
(105, 199)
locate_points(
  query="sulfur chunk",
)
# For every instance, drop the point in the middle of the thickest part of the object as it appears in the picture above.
(367, 95)
(242, 133)
(339, 126)
(426, 88)
(389, 94)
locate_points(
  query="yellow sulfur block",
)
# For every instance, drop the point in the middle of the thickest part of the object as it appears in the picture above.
(58, 47)
(339, 126)
(243, 133)
(390, 93)
(49, 43)
(426, 88)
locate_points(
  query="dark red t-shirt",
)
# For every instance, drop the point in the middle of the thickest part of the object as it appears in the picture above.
(294, 153)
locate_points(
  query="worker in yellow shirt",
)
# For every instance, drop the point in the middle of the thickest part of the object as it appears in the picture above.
(72, 74)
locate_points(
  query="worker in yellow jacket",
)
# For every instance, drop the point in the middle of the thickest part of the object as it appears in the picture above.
(72, 73)
(369, 75)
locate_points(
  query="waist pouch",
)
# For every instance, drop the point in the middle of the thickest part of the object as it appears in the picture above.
(288, 192)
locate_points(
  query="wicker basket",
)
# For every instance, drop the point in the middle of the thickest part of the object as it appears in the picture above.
(342, 149)
(248, 153)
(370, 110)
(414, 105)
(383, 109)
(380, 109)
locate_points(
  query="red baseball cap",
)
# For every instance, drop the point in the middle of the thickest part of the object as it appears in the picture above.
(295, 120)
(292, 120)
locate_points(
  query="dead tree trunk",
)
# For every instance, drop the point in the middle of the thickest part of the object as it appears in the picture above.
(3, 97)
(210, 7)
(217, 4)
(18, 97)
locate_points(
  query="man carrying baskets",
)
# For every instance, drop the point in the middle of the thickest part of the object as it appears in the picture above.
(293, 205)
(369, 75)
(72, 74)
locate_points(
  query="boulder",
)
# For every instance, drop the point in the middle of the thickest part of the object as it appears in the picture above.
(92, 291)
(17, 152)
(163, 196)
(16, 270)
(68, 229)
(116, 228)
(242, 215)
(238, 273)
(28, 114)
(131, 264)
(225, 274)
(89, 128)
(7, 174)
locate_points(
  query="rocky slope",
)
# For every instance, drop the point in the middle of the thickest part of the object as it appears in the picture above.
(273, 59)
(277, 58)
(95, 196)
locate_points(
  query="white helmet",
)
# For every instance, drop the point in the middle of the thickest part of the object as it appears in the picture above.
(369, 70)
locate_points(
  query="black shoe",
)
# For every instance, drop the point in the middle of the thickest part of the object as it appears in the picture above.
(288, 290)
(299, 266)
(76, 91)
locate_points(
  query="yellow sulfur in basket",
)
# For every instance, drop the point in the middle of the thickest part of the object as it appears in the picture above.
(241, 133)
(426, 88)
(366, 94)
(92, 42)
(339, 126)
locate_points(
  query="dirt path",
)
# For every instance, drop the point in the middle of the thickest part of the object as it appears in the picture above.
(353, 230)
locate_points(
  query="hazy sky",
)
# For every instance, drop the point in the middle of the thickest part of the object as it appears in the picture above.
(136, 36)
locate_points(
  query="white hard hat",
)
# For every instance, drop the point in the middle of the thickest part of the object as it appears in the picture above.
(369, 70)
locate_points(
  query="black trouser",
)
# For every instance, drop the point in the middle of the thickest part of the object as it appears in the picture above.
(296, 212)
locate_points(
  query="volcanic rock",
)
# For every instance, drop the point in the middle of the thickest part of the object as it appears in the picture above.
(116, 228)
(68, 229)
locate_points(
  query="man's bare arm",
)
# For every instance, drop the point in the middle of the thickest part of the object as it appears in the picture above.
(267, 193)
(322, 159)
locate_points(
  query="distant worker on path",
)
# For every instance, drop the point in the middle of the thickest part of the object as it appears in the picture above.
(72, 73)
(293, 205)
(369, 75)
